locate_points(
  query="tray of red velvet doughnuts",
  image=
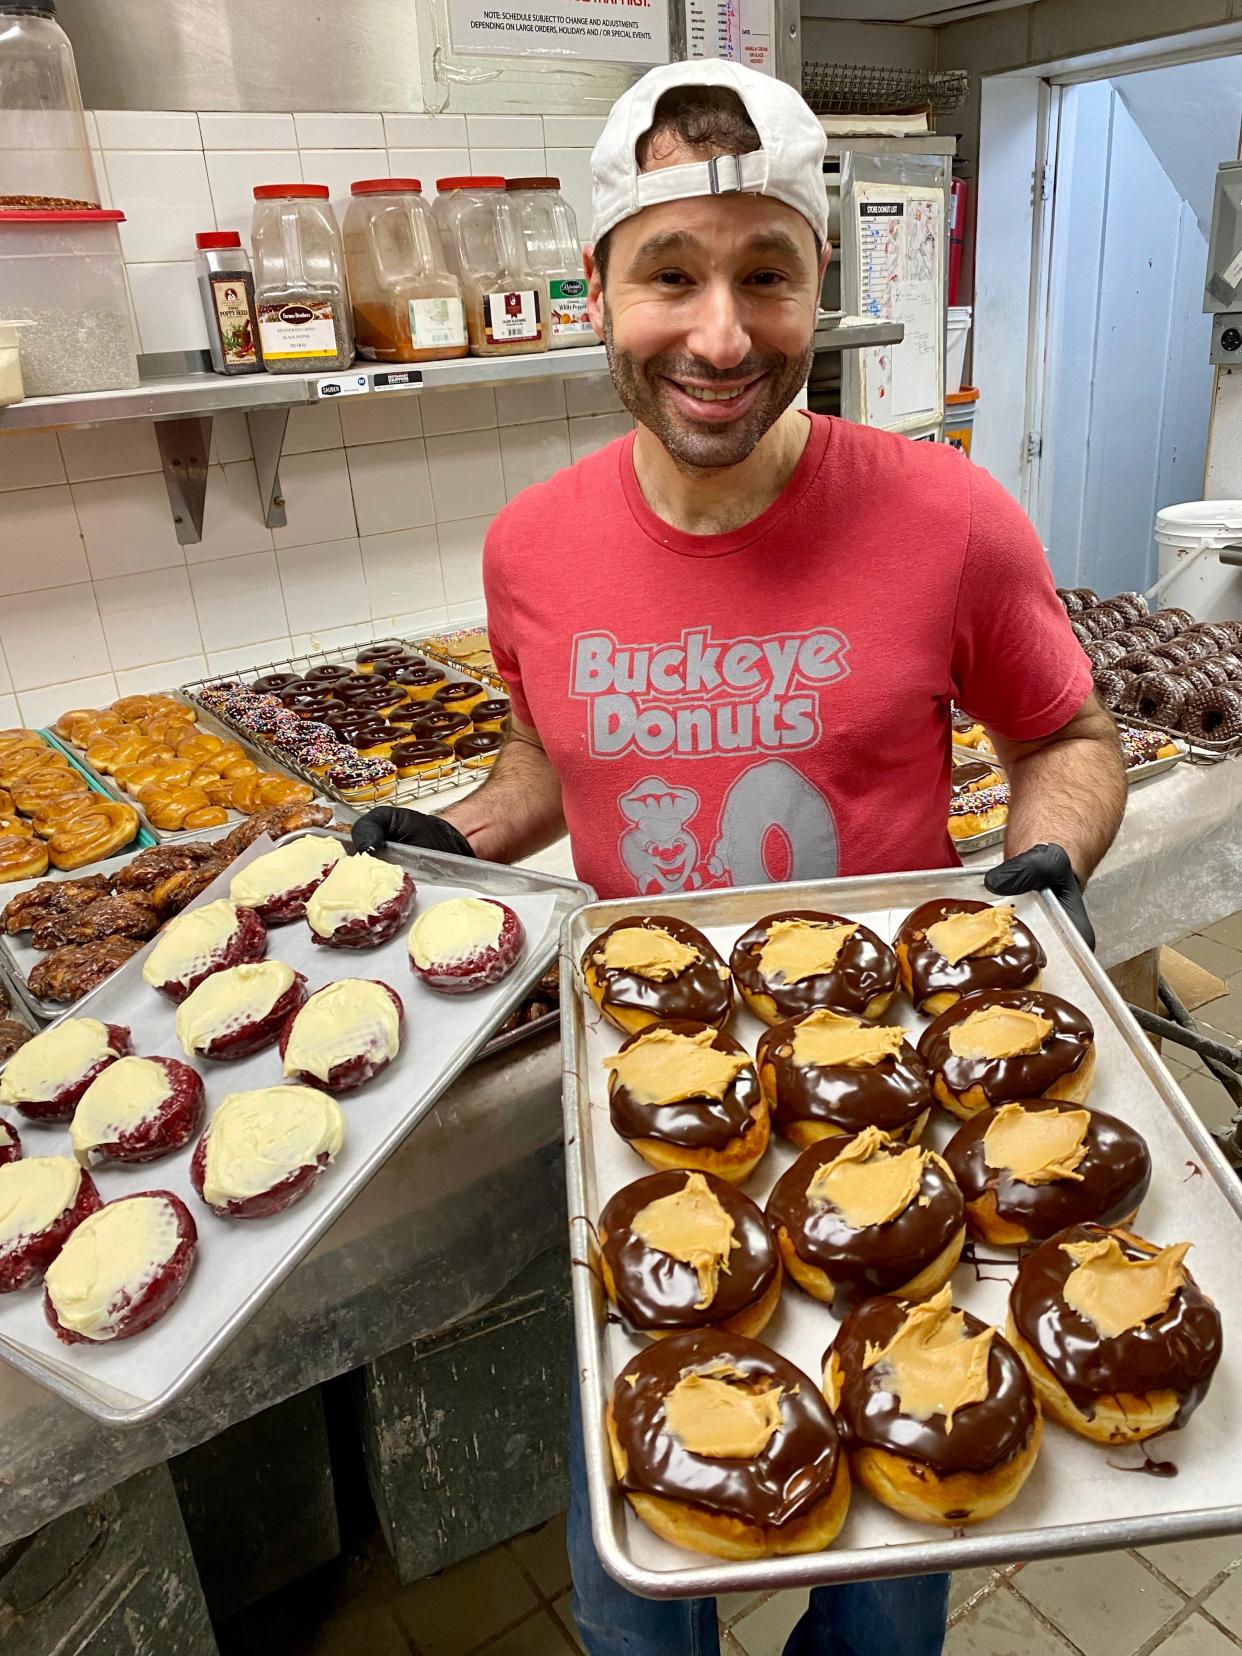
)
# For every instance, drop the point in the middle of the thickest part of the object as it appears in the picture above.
(905, 1253)
(172, 1147)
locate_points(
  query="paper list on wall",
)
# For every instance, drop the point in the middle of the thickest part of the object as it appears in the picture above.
(900, 235)
(743, 31)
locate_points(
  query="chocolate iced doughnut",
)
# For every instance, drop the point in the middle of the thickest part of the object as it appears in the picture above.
(441, 725)
(1081, 633)
(1122, 1387)
(1160, 697)
(271, 684)
(861, 982)
(1138, 637)
(699, 988)
(659, 1291)
(841, 1261)
(1070, 600)
(812, 1101)
(1132, 603)
(1086, 598)
(724, 1133)
(1141, 661)
(791, 1496)
(970, 774)
(1213, 715)
(1214, 633)
(1111, 688)
(965, 1082)
(934, 983)
(478, 748)
(1105, 1177)
(328, 673)
(954, 1469)
(1105, 652)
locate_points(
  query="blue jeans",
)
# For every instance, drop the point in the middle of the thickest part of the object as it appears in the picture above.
(902, 1617)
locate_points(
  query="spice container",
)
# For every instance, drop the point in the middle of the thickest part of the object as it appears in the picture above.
(545, 222)
(299, 280)
(45, 157)
(62, 272)
(226, 287)
(506, 303)
(407, 303)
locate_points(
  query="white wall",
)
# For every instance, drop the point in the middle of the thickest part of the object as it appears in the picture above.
(1128, 379)
(884, 45)
(388, 499)
(1190, 114)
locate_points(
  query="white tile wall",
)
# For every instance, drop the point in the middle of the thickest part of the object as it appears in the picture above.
(388, 498)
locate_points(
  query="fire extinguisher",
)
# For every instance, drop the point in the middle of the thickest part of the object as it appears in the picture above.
(957, 235)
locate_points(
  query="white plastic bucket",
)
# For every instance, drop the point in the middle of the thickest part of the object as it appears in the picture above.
(957, 333)
(1190, 577)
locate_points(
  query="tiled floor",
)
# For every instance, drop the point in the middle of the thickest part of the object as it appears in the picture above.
(1180, 1600)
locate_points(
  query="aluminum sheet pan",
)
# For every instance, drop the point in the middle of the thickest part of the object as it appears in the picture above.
(19, 957)
(1074, 1501)
(240, 1262)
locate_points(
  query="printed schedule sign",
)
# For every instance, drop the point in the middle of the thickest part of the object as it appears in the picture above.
(632, 31)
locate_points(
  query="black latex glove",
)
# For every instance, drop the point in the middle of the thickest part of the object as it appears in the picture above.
(390, 822)
(1044, 868)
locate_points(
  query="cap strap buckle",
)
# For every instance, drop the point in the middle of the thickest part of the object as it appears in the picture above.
(718, 185)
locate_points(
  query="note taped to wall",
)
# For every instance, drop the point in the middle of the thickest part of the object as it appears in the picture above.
(743, 31)
(901, 278)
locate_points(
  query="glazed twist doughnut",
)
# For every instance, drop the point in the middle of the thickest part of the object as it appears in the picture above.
(282, 790)
(19, 762)
(53, 812)
(92, 834)
(207, 816)
(199, 745)
(22, 857)
(168, 807)
(6, 803)
(30, 793)
(10, 740)
(14, 826)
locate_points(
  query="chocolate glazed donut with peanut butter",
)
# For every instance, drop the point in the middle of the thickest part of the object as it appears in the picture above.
(937, 1412)
(996, 1046)
(1029, 1170)
(866, 1215)
(823, 1075)
(722, 1446)
(943, 952)
(651, 967)
(795, 961)
(686, 1095)
(1118, 1337)
(686, 1250)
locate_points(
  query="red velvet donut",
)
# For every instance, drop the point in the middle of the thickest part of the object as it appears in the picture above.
(482, 966)
(364, 1065)
(131, 1313)
(61, 1106)
(169, 1126)
(26, 1255)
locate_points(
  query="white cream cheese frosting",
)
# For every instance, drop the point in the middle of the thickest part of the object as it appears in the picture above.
(128, 1093)
(342, 1021)
(190, 942)
(54, 1060)
(355, 888)
(455, 930)
(229, 1000)
(256, 1139)
(288, 868)
(34, 1193)
(108, 1260)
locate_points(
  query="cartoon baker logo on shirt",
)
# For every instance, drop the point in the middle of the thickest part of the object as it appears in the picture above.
(705, 698)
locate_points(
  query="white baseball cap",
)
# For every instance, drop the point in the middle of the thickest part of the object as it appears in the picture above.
(788, 166)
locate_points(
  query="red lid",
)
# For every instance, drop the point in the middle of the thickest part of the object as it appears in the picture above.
(384, 186)
(479, 183)
(68, 215)
(532, 183)
(217, 238)
(298, 192)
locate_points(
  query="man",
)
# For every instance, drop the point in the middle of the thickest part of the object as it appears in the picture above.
(731, 639)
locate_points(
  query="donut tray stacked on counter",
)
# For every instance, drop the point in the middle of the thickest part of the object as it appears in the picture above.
(152, 755)
(54, 814)
(1163, 670)
(373, 721)
(883, 1204)
(467, 651)
(184, 1136)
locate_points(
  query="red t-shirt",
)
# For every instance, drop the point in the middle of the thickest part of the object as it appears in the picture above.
(773, 703)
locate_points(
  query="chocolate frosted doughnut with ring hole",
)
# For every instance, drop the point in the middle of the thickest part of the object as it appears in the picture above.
(937, 1412)
(685, 1250)
(1027, 1170)
(800, 960)
(652, 967)
(1119, 1339)
(824, 1075)
(723, 1447)
(951, 945)
(685, 1095)
(864, 1215)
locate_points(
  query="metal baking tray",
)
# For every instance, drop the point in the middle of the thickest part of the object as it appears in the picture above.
(408, 789)
(241, 1262)
(1074, 1501)
(97, 784)
(18, 956)
(19, 1012)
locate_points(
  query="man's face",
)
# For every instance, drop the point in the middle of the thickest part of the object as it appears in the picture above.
(708, 320)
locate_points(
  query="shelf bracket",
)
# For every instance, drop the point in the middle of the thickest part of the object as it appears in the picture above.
(184, 445)
(267, 439)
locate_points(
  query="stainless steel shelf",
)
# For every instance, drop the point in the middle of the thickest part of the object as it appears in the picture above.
(182, 406)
